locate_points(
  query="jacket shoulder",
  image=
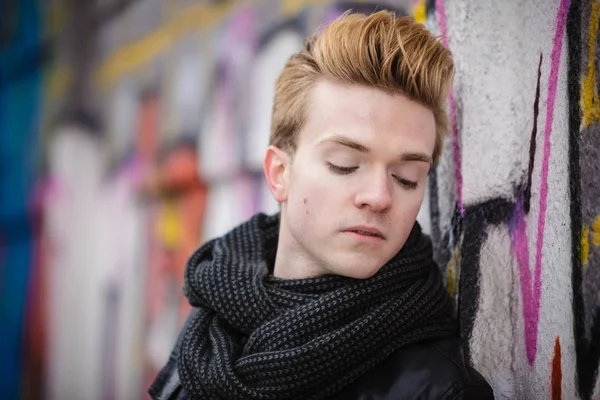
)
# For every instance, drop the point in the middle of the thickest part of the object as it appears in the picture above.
(432, 370)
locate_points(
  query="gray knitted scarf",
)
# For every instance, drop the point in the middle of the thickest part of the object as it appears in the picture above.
(259, 337)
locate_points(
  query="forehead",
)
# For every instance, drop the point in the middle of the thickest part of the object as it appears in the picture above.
(368, 115)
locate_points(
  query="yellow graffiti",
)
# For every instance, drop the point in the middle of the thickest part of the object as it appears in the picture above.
(585, 246)
(139, 53)
(57, 82)
(589, 92)
(596, 231)
(292, 7)
(419, 12)
(169, 225)
(57, 17)
(452, 276)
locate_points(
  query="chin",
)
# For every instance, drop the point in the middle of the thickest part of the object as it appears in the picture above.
(361, 272)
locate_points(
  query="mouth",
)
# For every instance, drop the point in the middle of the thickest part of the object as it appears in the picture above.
(366, 231)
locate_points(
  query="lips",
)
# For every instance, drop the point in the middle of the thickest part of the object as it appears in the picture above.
(366, 231)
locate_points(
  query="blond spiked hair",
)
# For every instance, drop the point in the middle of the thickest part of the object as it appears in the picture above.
(395, 54)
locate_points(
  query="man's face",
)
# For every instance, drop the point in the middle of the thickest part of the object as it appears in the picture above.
(353, 188)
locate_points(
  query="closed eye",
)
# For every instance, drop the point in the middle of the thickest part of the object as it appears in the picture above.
(341, 170)
(406, 183)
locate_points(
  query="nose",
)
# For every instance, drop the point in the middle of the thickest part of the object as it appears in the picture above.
(375, 193)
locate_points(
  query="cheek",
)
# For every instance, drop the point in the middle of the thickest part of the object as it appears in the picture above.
(309, 186)
(311, 199)
(410, 204)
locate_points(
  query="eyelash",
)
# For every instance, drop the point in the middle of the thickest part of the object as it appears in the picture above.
(341, 170)
(348, 170)
(406, 184)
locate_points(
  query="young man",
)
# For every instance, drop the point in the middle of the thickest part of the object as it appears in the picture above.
(337, 296)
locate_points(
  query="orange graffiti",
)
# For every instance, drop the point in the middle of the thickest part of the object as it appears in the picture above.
(556, 372)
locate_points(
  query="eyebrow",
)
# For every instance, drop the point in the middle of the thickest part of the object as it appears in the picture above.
(406, 157)
(417, 157)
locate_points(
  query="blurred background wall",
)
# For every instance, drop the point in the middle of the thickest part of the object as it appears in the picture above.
(131, 131)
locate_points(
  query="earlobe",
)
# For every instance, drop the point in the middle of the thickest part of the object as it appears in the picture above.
(275, 165)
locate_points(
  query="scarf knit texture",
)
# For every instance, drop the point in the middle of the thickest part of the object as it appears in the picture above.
(259, 337)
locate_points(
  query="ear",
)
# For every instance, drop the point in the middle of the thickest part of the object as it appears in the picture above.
(276, 166)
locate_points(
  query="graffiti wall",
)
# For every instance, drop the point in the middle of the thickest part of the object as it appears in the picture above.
(514, 201)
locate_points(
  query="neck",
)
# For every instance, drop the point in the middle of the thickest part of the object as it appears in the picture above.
(289, 266)
(290, 261)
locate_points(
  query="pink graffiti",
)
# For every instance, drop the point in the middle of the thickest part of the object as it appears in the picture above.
(441, 17)
(532, 296)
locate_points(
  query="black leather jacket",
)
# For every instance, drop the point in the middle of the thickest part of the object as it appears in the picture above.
(435, 370)
(426, 371)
